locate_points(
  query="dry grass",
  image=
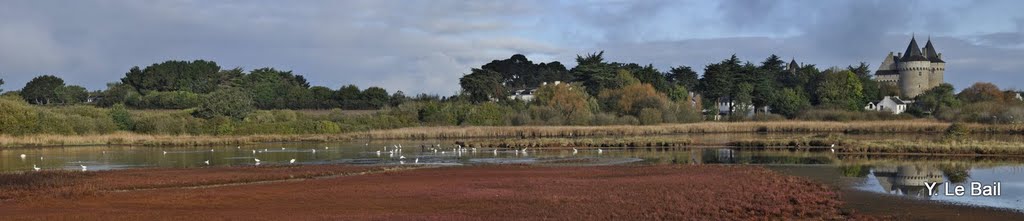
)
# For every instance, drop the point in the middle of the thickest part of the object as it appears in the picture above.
(125, 138)
(904, 126)
(570, 135)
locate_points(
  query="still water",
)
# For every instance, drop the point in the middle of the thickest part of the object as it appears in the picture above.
(897, 175)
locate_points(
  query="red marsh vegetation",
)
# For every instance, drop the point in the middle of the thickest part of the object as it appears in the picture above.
(703, 192)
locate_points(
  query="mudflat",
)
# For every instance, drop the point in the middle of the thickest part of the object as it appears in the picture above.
(498, 192)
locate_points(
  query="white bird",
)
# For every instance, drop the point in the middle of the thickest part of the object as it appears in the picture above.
(211, 150)
(207, 162)
(574, 151)
(833, 150)
(417, 160)
(253, 151)
(291, 161)
(257, 161)
(495, 151)
(442, 152)
(327, 148)
(378, 153)
(524, 150)
(84, 168)
(238, 147)
(34, 167)
(165, 152)
(599, 151)
(401, 157)
(22, 156)
(314, 151)
(282, 148)
(833, 145)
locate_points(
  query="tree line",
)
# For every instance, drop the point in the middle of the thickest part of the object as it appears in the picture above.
(595, 91)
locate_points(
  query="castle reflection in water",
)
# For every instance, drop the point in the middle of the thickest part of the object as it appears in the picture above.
(908, 180)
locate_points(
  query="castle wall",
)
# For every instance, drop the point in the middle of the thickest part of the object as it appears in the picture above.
(938, 70)
(914, 78)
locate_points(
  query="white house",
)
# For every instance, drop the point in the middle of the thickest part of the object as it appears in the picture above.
(889, 103)
(1019, 97)
(524, 95)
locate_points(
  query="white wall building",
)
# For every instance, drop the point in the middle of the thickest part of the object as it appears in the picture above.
(889, 103)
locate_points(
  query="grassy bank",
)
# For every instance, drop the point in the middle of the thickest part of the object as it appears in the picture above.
(125, 138)
(859, 127)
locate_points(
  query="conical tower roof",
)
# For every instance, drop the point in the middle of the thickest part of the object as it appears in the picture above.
(929, 52)
(793, 65)
(913, 52)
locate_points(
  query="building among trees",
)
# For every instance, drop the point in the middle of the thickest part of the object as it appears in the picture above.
(915, 71)
(889, 103)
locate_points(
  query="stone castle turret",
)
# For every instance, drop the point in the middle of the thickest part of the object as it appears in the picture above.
(915, 71)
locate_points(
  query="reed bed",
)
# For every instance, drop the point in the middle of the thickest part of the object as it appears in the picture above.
(125, 138)
(926, 147)
(861, 127)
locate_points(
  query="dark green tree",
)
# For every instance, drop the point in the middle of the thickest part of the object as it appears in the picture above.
(350, 97)
(274, 89)
(482, 85)
(683, 76)
(719, 80)
(376, 97)
(197, 76)
(42, 89)
(594, 73)
(229, 102)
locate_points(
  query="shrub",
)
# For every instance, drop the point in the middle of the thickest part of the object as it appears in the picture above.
(230, 102)
(121, 117)
(956, 132)
(650, 116)
(17, 117)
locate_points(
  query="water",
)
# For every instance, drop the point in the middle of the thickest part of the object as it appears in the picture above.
(896, 175)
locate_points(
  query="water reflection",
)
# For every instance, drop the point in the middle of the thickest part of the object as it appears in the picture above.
(908, 180)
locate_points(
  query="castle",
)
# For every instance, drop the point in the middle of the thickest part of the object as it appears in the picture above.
(914, 71)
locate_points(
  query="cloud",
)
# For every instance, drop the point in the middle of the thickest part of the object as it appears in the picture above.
(425, 46)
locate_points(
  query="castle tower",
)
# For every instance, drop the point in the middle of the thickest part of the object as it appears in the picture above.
(938, 66)
(915, 71)
(792, 67)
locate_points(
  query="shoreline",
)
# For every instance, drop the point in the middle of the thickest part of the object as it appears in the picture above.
(805, 134)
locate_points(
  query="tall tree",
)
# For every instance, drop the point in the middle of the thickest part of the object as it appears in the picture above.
(683, 76)
(840, 89)
(275, 89)
(719, 80)
(42, 89)
(197, 76)
(593, 73)
(482, 85)
(376, 97)
(350, 97)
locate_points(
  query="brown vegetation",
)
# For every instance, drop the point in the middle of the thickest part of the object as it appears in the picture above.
(125, 138)
(472, 193)
(62, 183)
(905, 126)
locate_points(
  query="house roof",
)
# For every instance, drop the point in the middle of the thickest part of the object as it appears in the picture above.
(929, 52)
(913, 52)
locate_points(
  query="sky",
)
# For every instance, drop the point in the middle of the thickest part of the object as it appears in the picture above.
(425, 46)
